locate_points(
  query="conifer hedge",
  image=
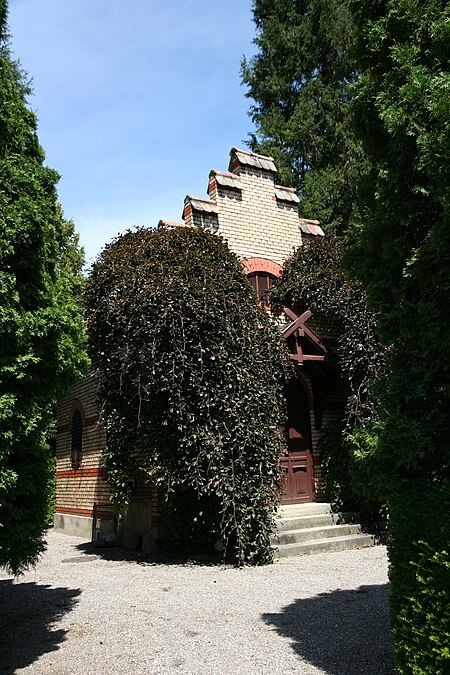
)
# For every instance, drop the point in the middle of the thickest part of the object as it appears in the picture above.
(192, 374)
(399, 249)
(41, 330)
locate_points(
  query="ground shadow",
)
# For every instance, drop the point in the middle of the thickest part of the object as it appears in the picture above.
(156, 557)
(343, 632)
(28, 612)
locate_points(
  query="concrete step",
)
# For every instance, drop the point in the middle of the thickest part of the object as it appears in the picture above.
(314, 528)
(315, 520)
(341, 543)
(314, 534)
(308, 509)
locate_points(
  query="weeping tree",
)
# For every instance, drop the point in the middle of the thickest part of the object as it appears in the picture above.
(192, 375)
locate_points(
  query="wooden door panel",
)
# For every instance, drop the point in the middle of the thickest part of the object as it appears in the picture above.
(301, 485)
(297, 482)
(297, 466)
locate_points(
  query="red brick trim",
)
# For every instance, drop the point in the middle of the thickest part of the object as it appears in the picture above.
(74, 511)
(235, 164)
(82, 473)
(88, 422)
(252, 265)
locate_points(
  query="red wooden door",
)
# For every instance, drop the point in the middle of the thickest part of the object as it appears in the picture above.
(297, 466)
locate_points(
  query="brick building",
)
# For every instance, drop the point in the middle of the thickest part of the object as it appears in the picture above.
(260, 222)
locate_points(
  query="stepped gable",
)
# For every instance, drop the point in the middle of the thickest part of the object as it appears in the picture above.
(257, 217)
(200, 212)
(286, 194)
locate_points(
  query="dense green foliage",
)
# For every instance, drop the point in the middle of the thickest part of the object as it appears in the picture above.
(400, 251)
(41, 332)
(314, 275)
(192, 375)
(419, 520)
(423, 626)
(298, 81)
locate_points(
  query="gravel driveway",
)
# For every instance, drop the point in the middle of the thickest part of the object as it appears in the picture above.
(80, 612)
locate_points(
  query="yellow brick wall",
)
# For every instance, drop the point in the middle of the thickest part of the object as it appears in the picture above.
(252, 221)
(78, 489)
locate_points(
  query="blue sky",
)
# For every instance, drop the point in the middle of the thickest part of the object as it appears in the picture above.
(137, 100)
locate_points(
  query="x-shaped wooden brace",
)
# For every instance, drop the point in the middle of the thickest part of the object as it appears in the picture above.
(299, 328)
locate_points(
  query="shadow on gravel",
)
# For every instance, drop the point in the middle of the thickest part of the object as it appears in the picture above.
(27, 614)
(343, 632)
(157, 557)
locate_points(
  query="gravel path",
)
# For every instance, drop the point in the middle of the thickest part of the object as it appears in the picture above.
(80, 612)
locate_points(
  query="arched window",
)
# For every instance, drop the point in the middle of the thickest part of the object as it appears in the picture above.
(76, 439)
(261, 283)
(260, 274)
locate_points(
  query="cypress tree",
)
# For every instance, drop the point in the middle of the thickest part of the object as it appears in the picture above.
(41, 332)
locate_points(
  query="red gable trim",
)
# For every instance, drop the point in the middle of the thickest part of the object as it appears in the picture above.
(299, 329)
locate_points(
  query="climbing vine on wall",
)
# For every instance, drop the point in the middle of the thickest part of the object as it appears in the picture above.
(315, 275)
(192, 375)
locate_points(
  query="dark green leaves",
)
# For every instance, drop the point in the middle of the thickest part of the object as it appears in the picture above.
(400, 251)
(299, 81)
(41, 332)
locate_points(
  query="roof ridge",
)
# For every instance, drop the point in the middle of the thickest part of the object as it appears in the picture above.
(200, 199)
(285, 187)
(251, 153)
(224, 173)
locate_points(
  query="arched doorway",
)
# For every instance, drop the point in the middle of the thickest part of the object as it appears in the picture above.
(297, 465)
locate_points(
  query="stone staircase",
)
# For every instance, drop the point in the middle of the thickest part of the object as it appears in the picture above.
(313, 528)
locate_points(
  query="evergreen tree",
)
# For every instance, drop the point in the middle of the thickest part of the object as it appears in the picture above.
(298, 81)
(41, 332)
(401, 251)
